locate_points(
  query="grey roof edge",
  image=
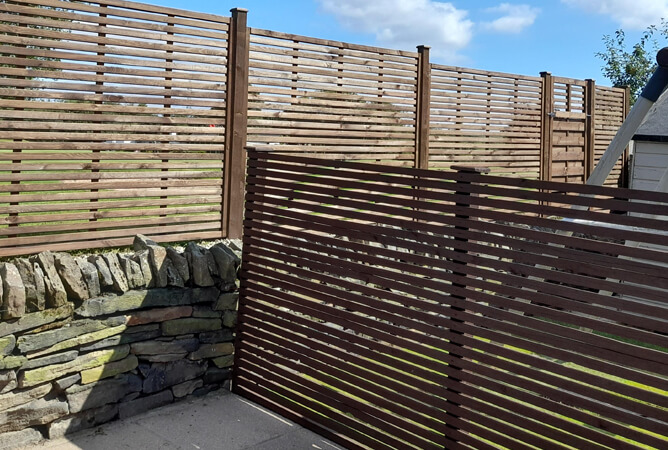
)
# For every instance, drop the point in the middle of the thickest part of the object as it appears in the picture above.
(655, 124)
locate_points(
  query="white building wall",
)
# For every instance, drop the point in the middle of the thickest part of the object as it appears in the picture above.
(650, 161)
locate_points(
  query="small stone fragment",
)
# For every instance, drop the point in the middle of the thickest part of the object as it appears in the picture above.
(216, 375)
(164, 357)
(13, 399)
(226, 262)
(88, 361)
(161, 347)
(180, 263)
(224, 361)
(205, 390)
(142, 242)
(143, 404)
(106, 280)
(132, 272)
(135, 299)
(212, 337)
(62, 384)
(235, 255)
(164, 375)
(40, 288)
(206, 311)
(56, 295)
(13, 292)
(7, 345)
(141, 329)
(32, 342)
(211, 262)
(12, 362)
(157, 256)
(87, 419)
(36, 319)
(37, 412)
(120, 281)
(212, 350)
(82, 397)
(186, 388)
(7, 381)
(58, 358)
(71, 276)
(109, 370)
(159, 315)
(91, 276)
(34, 299)
(199, 265)
(230, 319)
(189, 325)
(82, 339)
(119, 339)
(173, 276)
(20, 439)
(130, 397)
(227, 300)
(142, 258)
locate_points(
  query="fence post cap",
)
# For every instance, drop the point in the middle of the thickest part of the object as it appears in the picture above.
(662, 57)
(470, 169)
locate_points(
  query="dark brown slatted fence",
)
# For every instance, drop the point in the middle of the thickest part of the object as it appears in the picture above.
(112, 122)
(400, 308)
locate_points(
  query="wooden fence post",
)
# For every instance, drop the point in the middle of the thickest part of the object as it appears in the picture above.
(546, 126)
(236, 124)
(626, 170)
(463, 204)
(590, 132)
(422, 108)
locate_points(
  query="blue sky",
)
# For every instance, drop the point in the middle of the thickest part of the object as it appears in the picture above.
(522, 37)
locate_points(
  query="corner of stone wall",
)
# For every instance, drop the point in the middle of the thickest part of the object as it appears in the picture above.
(89, 339)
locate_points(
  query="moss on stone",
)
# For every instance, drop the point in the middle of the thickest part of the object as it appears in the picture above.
(83, 362)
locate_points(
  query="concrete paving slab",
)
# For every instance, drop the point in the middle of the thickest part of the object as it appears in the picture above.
(221, 421)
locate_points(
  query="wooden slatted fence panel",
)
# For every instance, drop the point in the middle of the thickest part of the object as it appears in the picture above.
(568, 139)
(331, 99)
(611, 110)
(114, 118)
(401, 308)
(485, 118)
(112, 123)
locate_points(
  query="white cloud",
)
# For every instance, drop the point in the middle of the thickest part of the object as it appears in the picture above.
(514, 19)
(630, 14)
(405, 24)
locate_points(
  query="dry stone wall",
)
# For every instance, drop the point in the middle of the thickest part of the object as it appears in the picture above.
(88, 339)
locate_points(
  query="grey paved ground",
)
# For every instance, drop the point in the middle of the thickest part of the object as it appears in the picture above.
(218, 421)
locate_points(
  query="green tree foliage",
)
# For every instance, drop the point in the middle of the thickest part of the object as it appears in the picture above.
(632, 67)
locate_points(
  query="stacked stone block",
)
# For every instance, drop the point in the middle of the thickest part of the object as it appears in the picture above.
(86, 340)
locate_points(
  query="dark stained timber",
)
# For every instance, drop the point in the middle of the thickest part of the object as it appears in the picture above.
(460, 309)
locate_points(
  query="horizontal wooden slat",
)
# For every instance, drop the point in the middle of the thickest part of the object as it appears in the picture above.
(143, 12)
